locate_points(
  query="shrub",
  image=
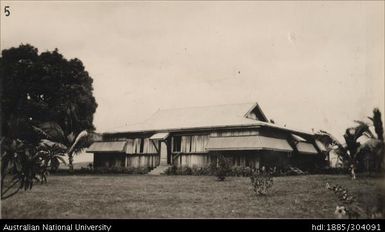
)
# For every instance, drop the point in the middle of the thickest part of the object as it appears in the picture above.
(171, 170)
(335, 171)
(185, 170)
(349, 205)
(236, 171)
(223, 168)
(221, 171)
(261, 181)
(240, 171)
(200, 171)
(348, 201)
(139, 170)
(210, 170)
(105, 170)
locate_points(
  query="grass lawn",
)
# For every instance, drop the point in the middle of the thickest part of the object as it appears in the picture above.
(142, 196)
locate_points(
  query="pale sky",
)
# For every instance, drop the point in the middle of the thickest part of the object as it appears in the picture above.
(309, 64)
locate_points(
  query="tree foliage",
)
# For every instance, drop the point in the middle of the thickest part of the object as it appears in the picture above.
(377, 123)
(21, 166)
(47, 105)
(41, 88)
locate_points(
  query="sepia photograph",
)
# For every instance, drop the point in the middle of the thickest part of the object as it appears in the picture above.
(191, 110)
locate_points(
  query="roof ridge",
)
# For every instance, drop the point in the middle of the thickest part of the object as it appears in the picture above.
(205, 106)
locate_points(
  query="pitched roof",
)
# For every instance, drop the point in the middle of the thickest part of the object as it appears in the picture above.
(230, 115)
(197, 117)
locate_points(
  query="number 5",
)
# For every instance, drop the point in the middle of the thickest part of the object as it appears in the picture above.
(6, 11)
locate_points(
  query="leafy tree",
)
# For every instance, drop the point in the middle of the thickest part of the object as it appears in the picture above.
(21, 165)
(45, 101)
(41, 88)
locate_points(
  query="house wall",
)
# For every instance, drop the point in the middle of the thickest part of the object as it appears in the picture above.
(192, 150)
(307, 162)
(250, 159)
(334, 161)
(142, 160)
(142, 145)
(280, 160)
(190, 160)
(227, 133)
(114, 160)
(243, 158)
(140, 151)
(109, 160)
(203, 160)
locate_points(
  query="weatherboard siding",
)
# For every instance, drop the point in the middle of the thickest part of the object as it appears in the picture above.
(196, 149)
(191, 160)
(142, 161)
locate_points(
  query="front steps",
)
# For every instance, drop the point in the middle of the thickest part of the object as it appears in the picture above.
(159, 170)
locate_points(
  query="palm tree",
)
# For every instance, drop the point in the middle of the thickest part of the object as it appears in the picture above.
(345, 151)
(374, 147)
(377, 123)
(352, 153)
(57, 142)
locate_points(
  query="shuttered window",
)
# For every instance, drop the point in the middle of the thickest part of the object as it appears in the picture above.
(190, 143)
(142, 146)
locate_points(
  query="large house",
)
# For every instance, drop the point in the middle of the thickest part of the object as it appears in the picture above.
(194, 136)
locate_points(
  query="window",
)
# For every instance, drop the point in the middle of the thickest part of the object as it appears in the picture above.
(176, 143)
(190, 143)
(142, 146)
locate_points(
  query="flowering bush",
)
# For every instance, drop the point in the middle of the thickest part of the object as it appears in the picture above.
(340, 212)
(349, 206)
(261, 181)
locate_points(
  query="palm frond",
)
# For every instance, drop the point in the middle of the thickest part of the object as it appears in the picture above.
(377, 123)
(80, 136)
(361, 129)
(371, 146)
(54, 131)
(45, 143)
(41, 132)
(61, 159)
(71, 137)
